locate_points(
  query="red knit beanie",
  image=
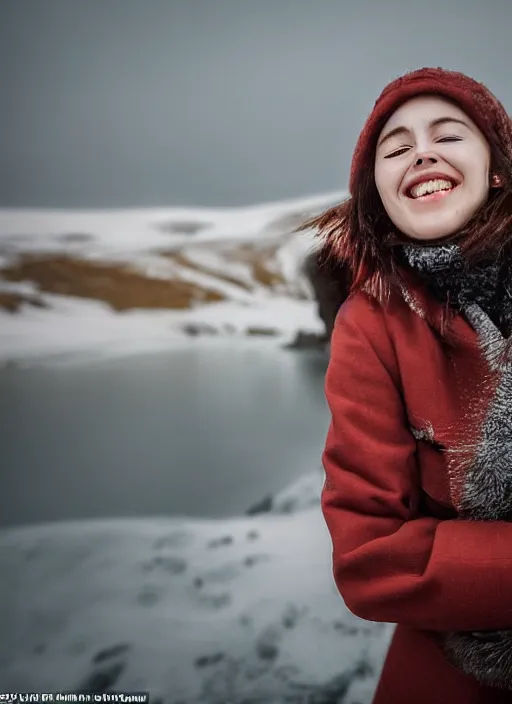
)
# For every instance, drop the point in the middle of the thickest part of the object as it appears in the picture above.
(473, 98)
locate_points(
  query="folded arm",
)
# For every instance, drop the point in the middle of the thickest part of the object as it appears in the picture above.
(391, 564)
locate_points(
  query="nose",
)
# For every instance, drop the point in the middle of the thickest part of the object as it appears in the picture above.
(425, 161)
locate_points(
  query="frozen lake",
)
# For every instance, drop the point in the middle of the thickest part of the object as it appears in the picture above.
(200, 431)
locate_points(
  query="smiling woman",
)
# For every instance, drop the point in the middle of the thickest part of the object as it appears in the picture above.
(418, 457)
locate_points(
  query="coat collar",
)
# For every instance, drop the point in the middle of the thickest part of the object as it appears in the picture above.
(450, 325)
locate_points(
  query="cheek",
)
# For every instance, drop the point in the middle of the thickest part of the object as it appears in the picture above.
(387, 182)
(475, 167)
(477, 178)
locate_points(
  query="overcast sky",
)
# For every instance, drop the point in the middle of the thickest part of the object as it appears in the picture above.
(114, 103)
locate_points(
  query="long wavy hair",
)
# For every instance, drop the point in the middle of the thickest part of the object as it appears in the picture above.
(359, 235)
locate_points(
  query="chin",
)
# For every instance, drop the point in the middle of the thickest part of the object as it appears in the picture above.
(433, 231)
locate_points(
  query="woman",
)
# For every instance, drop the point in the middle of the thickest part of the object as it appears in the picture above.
(418, 457)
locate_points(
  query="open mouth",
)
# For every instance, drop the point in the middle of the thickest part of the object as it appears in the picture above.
(434, 189)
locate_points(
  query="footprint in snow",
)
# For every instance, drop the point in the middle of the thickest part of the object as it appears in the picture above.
(108, 665)
(267, 643)
(222, 574)
(216, 601)
(111, 652)
(228, 571)
(220, 542)
(169, 564)
(149, 595)
(345, 628)
(256, 559)
(218, 575)
(291, 616)
(176, 539)
(102, 679)
(208, 660)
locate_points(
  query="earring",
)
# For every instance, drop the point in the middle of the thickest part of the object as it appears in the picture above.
(496, 181)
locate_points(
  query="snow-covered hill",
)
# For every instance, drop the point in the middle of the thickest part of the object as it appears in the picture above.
(124, 281)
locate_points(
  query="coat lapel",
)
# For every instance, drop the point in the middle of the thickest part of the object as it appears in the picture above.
(480, 459)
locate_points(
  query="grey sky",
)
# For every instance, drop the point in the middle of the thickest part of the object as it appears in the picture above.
(114, 103)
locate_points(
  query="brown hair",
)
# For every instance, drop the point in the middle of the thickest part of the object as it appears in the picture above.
(359, 234)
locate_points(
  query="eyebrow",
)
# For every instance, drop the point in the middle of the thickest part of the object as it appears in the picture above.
(431, 125)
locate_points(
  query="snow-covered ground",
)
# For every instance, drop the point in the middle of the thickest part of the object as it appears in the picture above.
(193, 611)
(144, 241)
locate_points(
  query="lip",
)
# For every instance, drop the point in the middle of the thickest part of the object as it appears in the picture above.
(430, 176)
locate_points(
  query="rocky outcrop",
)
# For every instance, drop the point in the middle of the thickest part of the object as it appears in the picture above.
(331, 286)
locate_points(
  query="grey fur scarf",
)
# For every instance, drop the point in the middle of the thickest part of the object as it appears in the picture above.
(483, 293)
(486, 284)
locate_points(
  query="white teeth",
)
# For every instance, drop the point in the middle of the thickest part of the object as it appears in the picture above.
(438, 184)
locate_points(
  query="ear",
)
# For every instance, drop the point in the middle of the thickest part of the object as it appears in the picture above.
(496, 181)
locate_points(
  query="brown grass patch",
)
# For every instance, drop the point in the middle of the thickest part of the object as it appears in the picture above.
(182, 259)
(12, 302)
(116, 285)
(262, 331)
(261, 261)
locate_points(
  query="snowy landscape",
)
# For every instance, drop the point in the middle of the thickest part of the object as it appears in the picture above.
(119, 282)
(194, 611)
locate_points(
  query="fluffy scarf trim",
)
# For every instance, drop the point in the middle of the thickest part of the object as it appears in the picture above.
(452, 280)
(482, 292)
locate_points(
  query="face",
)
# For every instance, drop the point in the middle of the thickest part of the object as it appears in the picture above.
(431, 168)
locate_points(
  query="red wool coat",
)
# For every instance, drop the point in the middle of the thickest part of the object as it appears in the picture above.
(409, 449)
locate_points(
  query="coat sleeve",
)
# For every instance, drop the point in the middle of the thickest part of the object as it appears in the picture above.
(390, 563)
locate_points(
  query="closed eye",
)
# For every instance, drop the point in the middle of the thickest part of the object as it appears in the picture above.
(398, 152)
(402, 150)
